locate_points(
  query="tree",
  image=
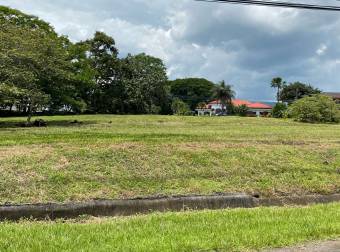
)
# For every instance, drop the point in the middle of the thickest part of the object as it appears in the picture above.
(224, 93)
(84, 75)
(297, 90)
(19, 19)
(279, 84)
(192, 90)
(279, 110)
(144, 81)
(34, 65)
(98, 65)
(25, 68)
(315, 108)
(179, 107)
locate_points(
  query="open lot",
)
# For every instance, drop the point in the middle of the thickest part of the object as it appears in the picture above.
(129, 156)
(227, 230)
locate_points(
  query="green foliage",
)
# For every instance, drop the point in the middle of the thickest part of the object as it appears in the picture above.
(316, 108)
(132, 85)
(9, 94)
(144, 81)
(241, 110)
(35, 69)
(102, 55)
(279, 84)
(192, 90)
(297, 90)
(179, 107)
(19, 19)
(224, 93)
(279, 110)
(35, 65)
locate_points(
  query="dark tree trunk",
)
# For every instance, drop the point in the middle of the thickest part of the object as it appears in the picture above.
(29, 114)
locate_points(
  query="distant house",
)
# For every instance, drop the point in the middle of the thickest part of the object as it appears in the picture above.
(334, 95)
(254, 108)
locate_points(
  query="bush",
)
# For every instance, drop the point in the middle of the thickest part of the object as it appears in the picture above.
(279, 110)
(316, 108)
(241, 110)
(179, 107)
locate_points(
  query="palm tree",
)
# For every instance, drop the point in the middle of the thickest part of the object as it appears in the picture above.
(279, 84)
(224, 93)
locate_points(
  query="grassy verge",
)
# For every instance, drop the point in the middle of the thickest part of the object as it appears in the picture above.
(227, 230)
(128, 156)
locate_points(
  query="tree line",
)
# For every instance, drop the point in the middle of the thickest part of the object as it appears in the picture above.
(43, 71)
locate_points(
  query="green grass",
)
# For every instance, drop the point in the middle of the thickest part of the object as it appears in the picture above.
(227, 230)
(129, 156)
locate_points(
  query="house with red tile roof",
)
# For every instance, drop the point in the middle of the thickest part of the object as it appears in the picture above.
(254, 108)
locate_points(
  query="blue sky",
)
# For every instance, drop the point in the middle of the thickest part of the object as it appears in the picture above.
(244, 45)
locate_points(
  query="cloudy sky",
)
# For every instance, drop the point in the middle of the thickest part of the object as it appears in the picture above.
(244, 45)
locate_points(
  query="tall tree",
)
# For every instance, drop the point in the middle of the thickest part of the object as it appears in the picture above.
(34, 63)
(192, 90)
(99, 67)
(278, 83)
(144, 80)
(297, 90)
(224, 93)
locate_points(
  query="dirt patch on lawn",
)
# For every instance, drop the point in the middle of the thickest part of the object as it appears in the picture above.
(14, 151)
(124, 146)
(210, 146)
(326, 246)
(246, 144)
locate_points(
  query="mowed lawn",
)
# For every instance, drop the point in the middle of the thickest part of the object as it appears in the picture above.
(223, 230)
(129, 156)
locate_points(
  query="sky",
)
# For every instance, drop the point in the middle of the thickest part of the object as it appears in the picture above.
(244, 45)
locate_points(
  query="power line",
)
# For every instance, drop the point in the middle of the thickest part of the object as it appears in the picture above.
(278, 4)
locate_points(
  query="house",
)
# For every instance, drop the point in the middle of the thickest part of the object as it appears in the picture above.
(254, 108)
(334, 95)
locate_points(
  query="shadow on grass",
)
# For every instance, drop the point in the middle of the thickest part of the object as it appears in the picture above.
(54, 123)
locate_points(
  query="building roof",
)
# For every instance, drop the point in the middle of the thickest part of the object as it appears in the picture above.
(251, 105)
(258, 105)
(335, 95)
(238, 102)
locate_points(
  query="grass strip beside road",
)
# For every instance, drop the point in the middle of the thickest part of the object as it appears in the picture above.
(222, 230)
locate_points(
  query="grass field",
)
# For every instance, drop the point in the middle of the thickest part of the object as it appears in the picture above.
(129, 156)
(227, 230)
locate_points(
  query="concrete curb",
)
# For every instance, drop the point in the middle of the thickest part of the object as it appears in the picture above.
(299, 200)
(142, 206)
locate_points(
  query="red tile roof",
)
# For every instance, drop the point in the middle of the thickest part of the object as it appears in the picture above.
(258, 105)
(238, 102)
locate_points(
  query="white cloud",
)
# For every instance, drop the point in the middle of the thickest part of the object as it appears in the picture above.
(321, 50)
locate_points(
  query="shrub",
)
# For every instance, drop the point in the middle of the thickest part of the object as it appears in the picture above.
(316, 108)
(241, 110)
(179, 107)
(201, 105)
(279, 110)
